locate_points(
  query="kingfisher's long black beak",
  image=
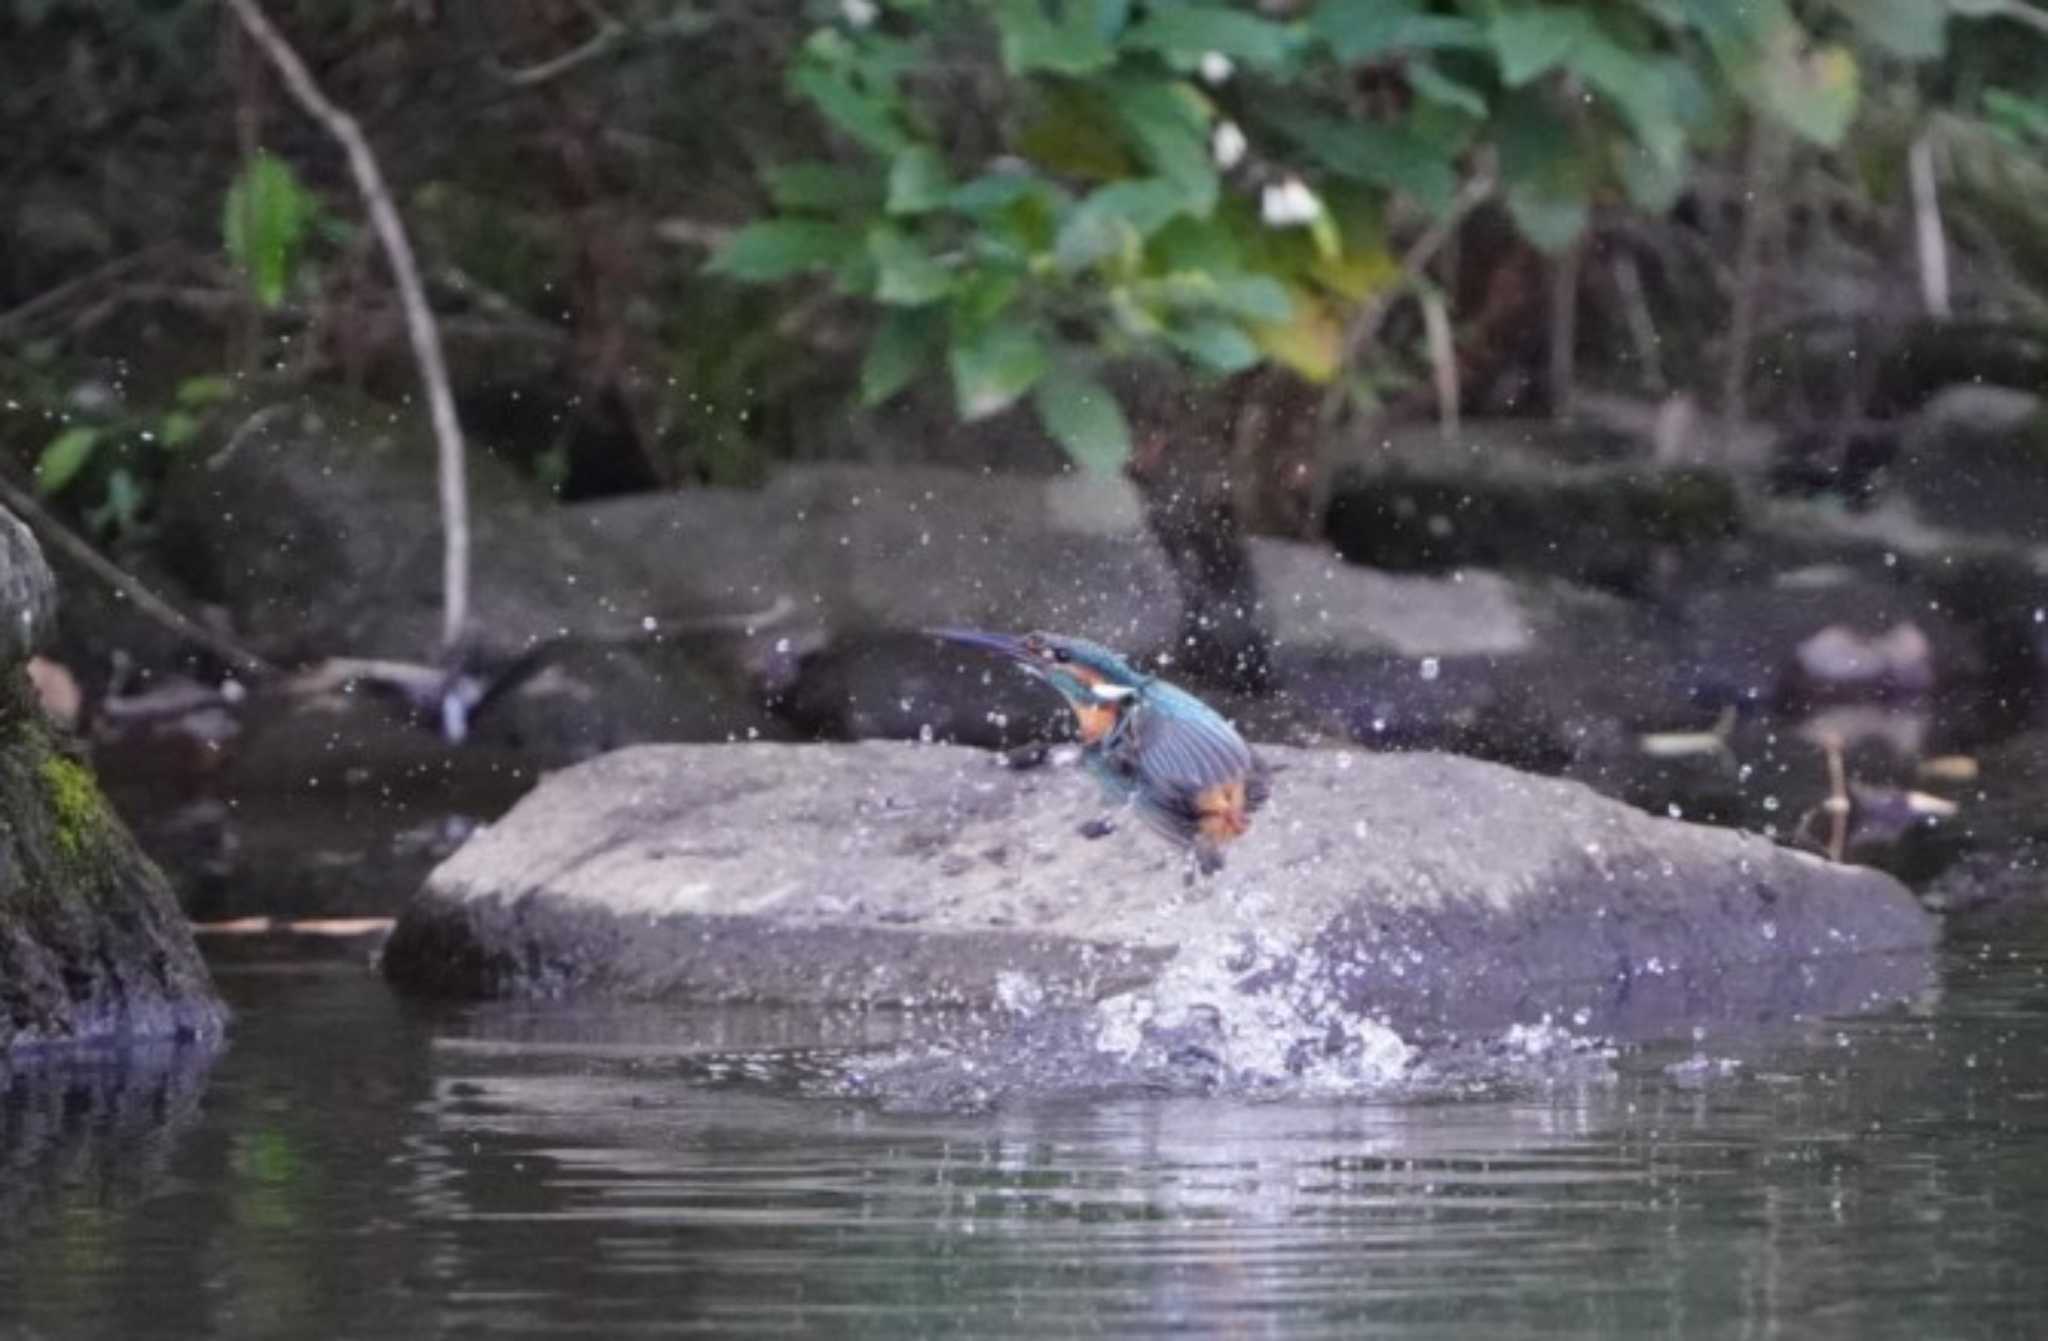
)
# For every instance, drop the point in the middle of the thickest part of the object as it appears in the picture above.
(998, 644)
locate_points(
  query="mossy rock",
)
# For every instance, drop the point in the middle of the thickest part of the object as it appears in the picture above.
(93, 946)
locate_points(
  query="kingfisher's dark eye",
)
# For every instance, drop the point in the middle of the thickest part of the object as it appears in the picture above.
(1060, 654)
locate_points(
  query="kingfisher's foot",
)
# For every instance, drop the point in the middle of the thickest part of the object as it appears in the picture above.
(1026, 756)
(1208, 858)
(1097, 828)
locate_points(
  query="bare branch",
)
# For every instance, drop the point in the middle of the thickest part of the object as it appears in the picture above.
(693, 232)
(1365, 324)
(609, 31)
(1564, 328)
(52, 299)
(146, 601)
(1759, 216)
(1928, 236)
(1642, 324)
(419, 318)
(2017, 10)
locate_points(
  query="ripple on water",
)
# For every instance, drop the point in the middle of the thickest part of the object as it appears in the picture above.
(358, 1167)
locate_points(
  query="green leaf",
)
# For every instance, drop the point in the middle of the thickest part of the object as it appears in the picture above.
(1082, 416)
(1813, 93)
(1194, 244)
(1547, 181)
(1652, 185)
(983, 295)
(903, 346)
(1257, 297)
(199, 392)
(122, 506)
(1253, 297)
(1642, 88)
(1196, 29)
(870, 118)
(1116, 220)
(1915, 30)
(1072, 44)
(2015, 117)
(993, 191)
(1428, 82)
(1363, 30)
(778, 248)
(917, 181)
(906, 275)
(1534, 40)
(64, 457)
(1167, 122)
(1219, 346)
(1391, 156)
(263, 222)
(821, 186)
(1550, 220)
(993, 368)
(177, 428)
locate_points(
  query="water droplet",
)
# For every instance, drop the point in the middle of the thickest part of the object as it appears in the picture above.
(1431, 668)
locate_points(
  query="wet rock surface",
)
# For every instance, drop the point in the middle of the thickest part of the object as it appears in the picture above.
(28, 596)
(1433, 897)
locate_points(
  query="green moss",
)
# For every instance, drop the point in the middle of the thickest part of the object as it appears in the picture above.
(75, 803)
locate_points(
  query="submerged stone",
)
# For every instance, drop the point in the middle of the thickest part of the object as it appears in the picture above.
(1436, 897)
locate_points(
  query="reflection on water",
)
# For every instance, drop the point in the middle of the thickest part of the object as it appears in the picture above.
(355, 1167)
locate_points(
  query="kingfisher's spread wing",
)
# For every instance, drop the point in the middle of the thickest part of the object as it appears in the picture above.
(1184, 763)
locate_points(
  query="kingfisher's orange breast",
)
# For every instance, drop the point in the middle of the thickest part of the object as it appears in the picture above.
(1222, 811)
(1097, 720)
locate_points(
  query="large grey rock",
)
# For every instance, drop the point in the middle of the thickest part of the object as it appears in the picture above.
(1511, 495)
(1441, 896)
(1974, 459)
(28, 596)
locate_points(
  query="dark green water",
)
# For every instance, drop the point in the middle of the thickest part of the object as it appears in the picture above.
(355, 1167)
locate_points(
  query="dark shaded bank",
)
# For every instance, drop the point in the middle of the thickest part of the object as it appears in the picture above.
(93, 946)
(1440, 896)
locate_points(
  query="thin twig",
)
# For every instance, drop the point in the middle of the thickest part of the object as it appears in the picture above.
(2017, 10)
(609, 31)
(693, 232)
(1758, 211)
(1365, 323)
(148, 602)
(1564, 328)
(419, 318)
(1927, 231)
(1642, 323)
(52, 299)
(1443, 361)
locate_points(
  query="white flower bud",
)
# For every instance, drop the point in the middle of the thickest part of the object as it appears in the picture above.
(1227, 143)
(1289, 204)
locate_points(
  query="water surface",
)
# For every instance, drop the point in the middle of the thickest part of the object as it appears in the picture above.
(357, 1166)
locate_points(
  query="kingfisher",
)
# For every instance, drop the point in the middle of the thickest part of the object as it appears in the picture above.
(1152, 745)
